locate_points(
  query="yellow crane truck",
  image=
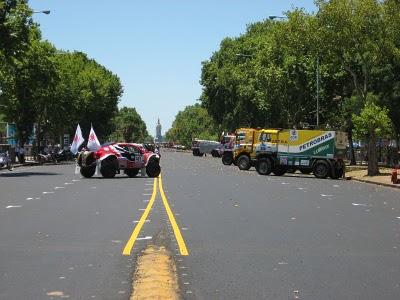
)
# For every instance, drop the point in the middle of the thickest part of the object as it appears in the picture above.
(317, 151)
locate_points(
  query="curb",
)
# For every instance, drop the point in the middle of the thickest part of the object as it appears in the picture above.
(377, 183)
(28, 164)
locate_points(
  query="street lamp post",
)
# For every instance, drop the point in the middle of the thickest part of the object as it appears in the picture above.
(46, 12)
(276, 17)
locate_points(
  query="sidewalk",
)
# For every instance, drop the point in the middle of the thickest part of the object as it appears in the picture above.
(360, 174)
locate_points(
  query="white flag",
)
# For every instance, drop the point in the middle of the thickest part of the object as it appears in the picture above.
(78, 140)
(93, 143)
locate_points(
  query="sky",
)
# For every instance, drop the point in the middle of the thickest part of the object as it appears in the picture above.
(156, 47)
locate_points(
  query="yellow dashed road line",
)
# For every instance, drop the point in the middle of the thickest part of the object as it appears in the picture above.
(181, 242)
(136, 231)
(175, 227)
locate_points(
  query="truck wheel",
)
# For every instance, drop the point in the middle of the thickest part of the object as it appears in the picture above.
(306, 171)
(243, 162)
(215, 153)
(153, 169)
(109, 167)
(279, 170)
(227, 159)
(132, 172)
(264, 166)
(321, 169)
(88, 172)
(196, 152)
(338, 170)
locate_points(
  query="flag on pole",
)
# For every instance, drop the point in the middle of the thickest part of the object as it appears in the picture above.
(93, 143)
(78, 140)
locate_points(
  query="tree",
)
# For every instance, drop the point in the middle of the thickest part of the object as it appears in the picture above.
(88, 94)
(15, 32)
(193, 122)
(129, 126)
(372, 122)
(29, 93)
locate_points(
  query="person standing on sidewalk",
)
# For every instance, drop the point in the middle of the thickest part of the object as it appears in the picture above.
(17, 153)
(22, 155)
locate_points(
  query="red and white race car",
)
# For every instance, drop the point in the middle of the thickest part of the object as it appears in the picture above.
(114, 157)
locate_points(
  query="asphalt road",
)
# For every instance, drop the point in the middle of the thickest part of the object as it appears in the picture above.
(248, 236)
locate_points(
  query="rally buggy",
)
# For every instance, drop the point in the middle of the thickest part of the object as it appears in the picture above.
(110, 159)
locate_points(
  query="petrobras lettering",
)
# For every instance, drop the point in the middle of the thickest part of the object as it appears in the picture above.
(316, 141)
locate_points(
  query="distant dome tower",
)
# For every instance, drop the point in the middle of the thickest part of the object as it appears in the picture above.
(158, 132)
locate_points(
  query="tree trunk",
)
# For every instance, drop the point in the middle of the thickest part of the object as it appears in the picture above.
(350, 137)
(372, 161)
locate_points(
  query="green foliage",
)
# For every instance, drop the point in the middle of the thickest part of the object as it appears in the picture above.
(15, 27)
(129, 127)
(193, 122)
(87, 93)
(372, 121)
(267, 77)
(53, 89)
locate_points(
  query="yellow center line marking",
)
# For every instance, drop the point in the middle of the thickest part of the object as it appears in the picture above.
(177, 232)
(136, 231)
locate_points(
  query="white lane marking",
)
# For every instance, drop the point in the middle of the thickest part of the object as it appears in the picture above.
(146, 194)
(148, 189)
(186, 283)
(184, 274)
(68, 183)
(61, 277)
(398, 218)
(141, 209)
(37, 198)
(149, 184)
(146, 221)
(146, 201)
(189, 292)
(27, 199)
(300, 188)
(184, 228)
(47, 193)
(323, 195)
(12, 206)
(59, 187)
(359, 204)
(285, 183)
(116, 241)
(75, 180)
(144, 238)
(336, 185)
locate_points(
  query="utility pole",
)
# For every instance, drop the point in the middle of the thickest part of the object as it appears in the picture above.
(317, 92)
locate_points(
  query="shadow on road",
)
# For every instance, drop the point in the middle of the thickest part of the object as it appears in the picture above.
(117, 178)
(27, 174)
(294, 175)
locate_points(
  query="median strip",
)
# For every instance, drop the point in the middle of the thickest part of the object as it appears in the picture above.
(155, 275)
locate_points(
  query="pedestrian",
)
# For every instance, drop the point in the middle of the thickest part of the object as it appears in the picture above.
(16, 153)
(22, 155)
